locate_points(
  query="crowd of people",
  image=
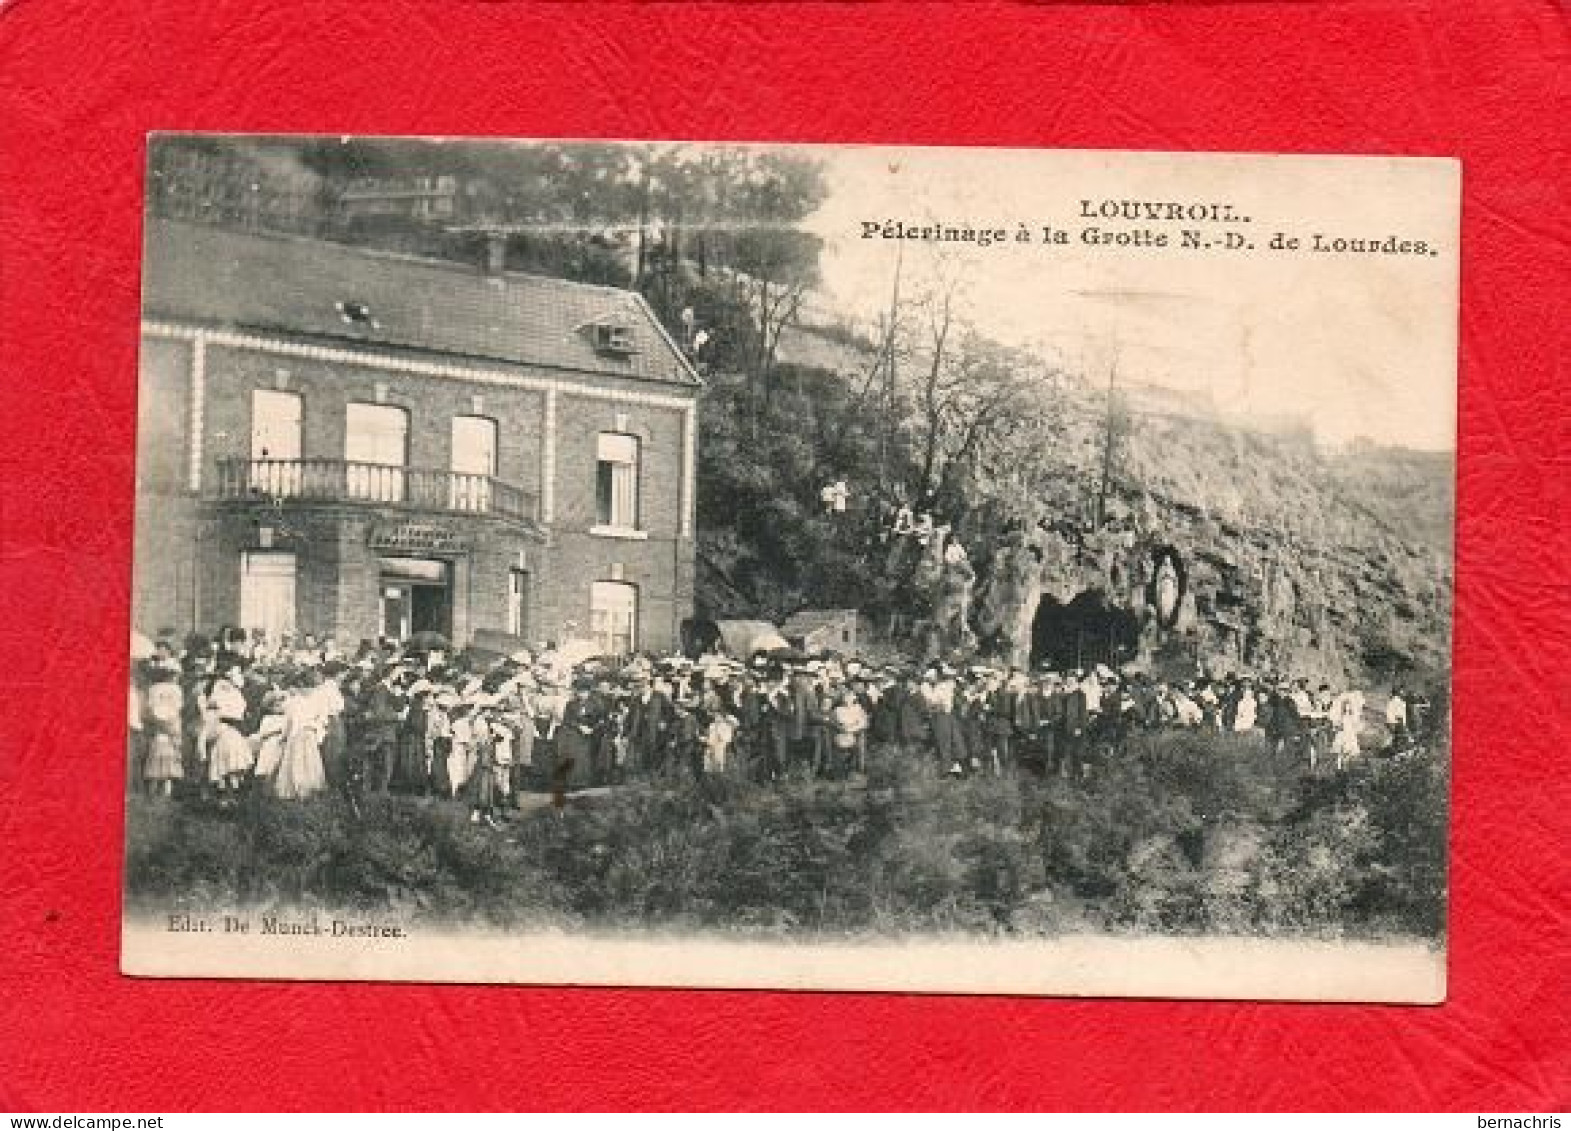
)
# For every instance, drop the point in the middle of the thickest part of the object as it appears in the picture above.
(226, 716)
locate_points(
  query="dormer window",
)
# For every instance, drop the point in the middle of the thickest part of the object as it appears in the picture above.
(356, 313)
(610, 337)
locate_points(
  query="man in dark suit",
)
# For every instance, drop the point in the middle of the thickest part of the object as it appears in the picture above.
(807, 745)
(912, 729)
(1003, 698)
(381, 712)
(1077, 724)
(648, 725)
(778, 721)
(1048, 701)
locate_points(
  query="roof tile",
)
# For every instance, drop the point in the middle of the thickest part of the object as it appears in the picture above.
(293, 285)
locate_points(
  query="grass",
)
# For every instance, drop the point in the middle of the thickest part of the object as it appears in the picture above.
(1183, 833)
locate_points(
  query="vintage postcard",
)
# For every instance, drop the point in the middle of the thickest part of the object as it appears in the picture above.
(814, 567)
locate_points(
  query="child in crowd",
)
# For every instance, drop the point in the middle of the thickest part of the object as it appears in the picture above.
(165, 703)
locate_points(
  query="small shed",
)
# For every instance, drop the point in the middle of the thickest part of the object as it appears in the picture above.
(823, 630)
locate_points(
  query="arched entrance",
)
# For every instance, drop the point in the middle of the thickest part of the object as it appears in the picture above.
(1084, 632)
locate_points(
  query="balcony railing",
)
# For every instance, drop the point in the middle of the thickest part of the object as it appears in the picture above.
(341, 481)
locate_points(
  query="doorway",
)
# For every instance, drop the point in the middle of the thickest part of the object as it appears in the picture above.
(415, 596)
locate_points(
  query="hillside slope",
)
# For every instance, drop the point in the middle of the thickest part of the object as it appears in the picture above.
(1332, 564)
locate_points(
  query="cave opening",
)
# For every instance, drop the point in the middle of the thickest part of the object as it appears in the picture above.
(1084, 632)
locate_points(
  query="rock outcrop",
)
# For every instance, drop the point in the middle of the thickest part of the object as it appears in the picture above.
(1264, 563)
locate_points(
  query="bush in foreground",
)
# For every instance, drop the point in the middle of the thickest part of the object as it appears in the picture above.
(1180, 833)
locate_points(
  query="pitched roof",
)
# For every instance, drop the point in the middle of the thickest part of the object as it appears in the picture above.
(288, 284)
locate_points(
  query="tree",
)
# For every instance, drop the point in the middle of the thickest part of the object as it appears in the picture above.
(975, 403)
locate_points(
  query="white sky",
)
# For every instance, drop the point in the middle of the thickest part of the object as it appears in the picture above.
(1355, 345)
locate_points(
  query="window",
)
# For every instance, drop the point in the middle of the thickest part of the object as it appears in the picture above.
(616, 481)
(355, 313)
(474, 463)
(518, 603)
(613, 617)
(611, 338)
(376, 443)
(267, 593)
(275, 442)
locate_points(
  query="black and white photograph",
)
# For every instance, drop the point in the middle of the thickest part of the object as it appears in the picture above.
(793, 566)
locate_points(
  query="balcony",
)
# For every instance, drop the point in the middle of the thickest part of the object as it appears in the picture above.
(344, 481)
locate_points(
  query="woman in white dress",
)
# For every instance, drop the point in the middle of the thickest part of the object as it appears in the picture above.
(269, 737)
(300, 773)
(165, 706)
(1244, 720)
(230, 756)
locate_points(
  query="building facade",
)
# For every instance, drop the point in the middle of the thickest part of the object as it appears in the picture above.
(356, 445)
(824, 630)
(408, 198)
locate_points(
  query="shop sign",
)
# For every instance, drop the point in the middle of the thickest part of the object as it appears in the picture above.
(417, 538)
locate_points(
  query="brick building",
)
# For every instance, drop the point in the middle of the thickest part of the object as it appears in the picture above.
(409, 198)
(356, 445)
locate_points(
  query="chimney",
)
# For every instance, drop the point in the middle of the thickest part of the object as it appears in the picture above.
(495, 254)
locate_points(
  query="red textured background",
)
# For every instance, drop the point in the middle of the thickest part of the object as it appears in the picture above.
(81, 81)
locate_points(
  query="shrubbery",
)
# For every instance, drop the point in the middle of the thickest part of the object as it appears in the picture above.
(1180, 833)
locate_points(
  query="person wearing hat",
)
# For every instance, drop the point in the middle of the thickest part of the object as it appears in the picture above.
(439, 742)
(778, 710)
(1050, 708)
(381, 709)
(300, 773)
(575, 740)
(973, 717)
(519, 711)
(1271, 712)
(938, 696)
(597, 770)
(501, 739)
(847, 726)
(615, 749)
(751, 749)
(1322, 730)
(806, 748)
(268, 742)
(330, 705)
(1397, 719)
(1078, 720)
(1227, 703)
(719, 733)
(480, 790)
(229, 755)
(648, 723)
(1120, 714)
(1305, 721)
(913, 728)
(161, 766)
(409, 767)
(1005, 710)
(686, 748)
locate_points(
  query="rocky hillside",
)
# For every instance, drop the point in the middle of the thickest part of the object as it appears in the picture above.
(1331, 564)
(1328, 563)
